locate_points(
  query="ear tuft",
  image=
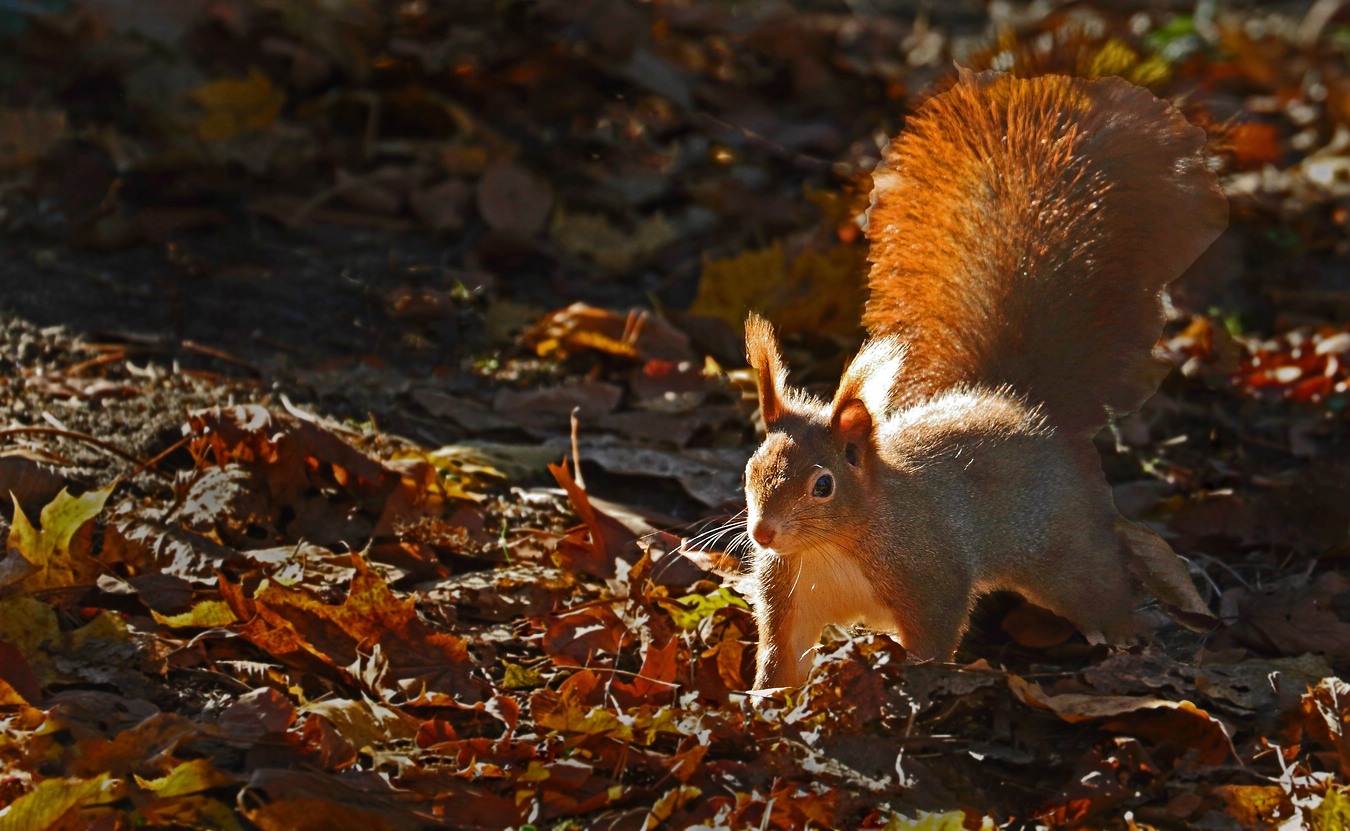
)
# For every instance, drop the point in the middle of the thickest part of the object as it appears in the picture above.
(868, 387)
(761, 350)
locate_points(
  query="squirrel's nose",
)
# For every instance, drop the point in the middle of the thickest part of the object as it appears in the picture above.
(763, 533)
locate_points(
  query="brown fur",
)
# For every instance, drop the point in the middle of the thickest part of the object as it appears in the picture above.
(1022, 231)
(1020, 240)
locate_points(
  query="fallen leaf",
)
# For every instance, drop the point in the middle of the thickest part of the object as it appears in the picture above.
(691, 610)
(553, 406)
(1290, 617)
(20, 683)
(1326, 712)
(1179, 723)
(192, 776)
(293, 623)
(1162, 572)
(365, 724)
(232, 106)
(256, 714)
(59, 551)
(55, 803)
(582, 328)
(208, 614)
(813, 291)
(1037, 628)
(295, 800)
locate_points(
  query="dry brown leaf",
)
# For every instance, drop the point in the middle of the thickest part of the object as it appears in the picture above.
(296, 625)
(583, 328)
(1290, 617)
(1035, 627)
(1180, 723)
(1161, 571)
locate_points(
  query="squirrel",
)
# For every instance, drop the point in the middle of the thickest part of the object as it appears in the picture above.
(1021, 234)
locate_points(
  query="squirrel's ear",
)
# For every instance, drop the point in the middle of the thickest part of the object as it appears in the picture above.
(868, 386)
(852, 420)
(761, 350)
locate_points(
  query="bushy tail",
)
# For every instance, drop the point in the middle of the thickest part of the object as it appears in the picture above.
(1022, 231)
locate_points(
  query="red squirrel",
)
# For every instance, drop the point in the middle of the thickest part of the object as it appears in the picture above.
(1022, 232)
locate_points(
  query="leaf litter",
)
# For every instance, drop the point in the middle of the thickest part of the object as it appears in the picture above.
(294, 543)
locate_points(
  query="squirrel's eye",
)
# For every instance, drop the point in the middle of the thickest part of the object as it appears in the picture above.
(823, 487)
(851, 453)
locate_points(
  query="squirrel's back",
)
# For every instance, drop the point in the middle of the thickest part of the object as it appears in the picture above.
(1022, 231)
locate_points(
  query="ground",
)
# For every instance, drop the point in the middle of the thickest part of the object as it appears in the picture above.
(291, 351)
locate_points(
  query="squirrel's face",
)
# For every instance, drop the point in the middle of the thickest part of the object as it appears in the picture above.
(799, 485)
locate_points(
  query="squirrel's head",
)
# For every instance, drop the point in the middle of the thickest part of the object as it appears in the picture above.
(813, 470)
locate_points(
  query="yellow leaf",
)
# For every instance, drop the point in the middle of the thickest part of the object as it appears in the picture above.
(535, 772)
(60, 554)
(365, 723)
(729, 288)
(1333, 812)
(207, 614)
(951, 821)
(237, 105)
(1116, 57)
(814, 291)
(104, 626)
(667, 805)
(1151, 71)
(192, 811)
(52, 800)
(691, 610)
(462, 472)
(25, 622)
(190, 777)
(824, 291)
(521, 678)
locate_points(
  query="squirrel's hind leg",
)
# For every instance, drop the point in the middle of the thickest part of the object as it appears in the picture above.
(1087, 582)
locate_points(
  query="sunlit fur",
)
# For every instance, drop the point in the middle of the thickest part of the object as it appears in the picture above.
(989, 499)
(1021, 233)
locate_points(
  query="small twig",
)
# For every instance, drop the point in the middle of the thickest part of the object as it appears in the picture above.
(75, 370)
(576, 449)
(220, 355)
(1315, 21)
(158, 457)
(86, 439)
